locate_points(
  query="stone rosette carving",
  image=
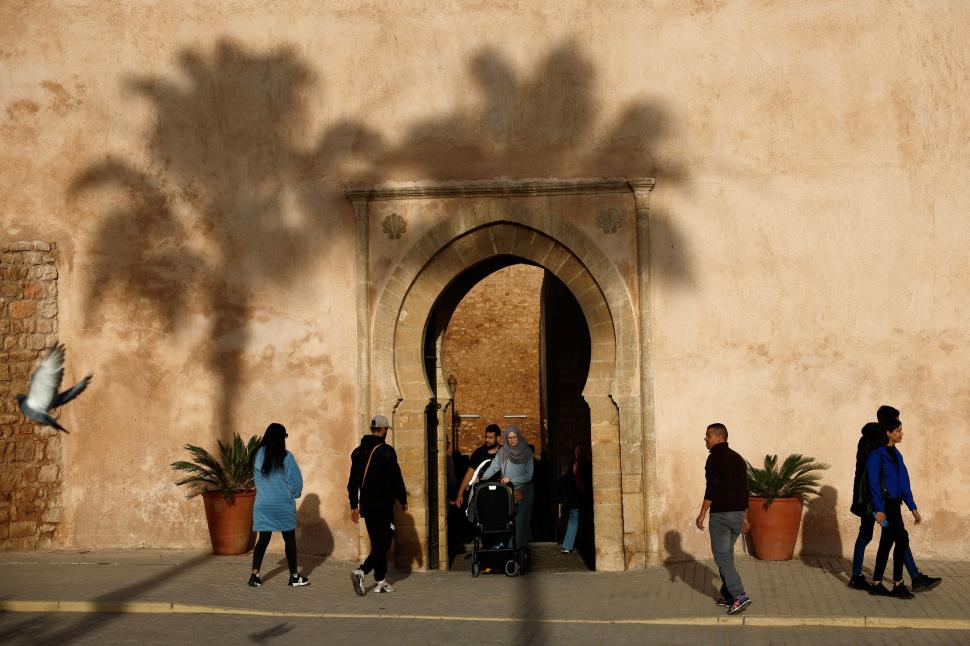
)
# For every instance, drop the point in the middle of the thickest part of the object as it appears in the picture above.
(394, 226)
(609, 220)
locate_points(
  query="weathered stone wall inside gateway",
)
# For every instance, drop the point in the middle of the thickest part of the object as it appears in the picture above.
(30, 455)
(492, 347)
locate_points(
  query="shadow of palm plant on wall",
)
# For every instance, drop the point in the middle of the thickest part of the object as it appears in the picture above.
(545, 124)
(232, 200)
(241, 194)
(549, 122)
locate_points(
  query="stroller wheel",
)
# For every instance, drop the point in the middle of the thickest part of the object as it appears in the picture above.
(476, 568)
(512, 568)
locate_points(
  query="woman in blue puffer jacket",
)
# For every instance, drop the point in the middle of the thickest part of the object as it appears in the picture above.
(889, 487)
(278, 483)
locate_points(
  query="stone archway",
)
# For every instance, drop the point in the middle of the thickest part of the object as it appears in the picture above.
(392, 349)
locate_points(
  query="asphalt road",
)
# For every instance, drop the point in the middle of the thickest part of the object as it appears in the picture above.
(146, 630)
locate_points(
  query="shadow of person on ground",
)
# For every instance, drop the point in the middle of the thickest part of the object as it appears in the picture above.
(683, 565)
(821, 537)
(407, 550)
(313, 535)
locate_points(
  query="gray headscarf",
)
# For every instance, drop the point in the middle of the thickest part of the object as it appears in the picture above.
(516, 455)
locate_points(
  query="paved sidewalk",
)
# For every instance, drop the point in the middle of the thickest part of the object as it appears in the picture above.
(809, 593)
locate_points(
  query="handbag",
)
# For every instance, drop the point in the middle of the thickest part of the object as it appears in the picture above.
(517, 494)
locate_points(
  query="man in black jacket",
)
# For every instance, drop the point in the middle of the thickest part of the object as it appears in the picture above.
(375, 483)
(726, 496)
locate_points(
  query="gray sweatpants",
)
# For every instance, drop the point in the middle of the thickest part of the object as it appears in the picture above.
(725, 528)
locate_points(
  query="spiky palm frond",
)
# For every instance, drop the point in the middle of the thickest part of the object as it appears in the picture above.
(798, 477)
(228, 473)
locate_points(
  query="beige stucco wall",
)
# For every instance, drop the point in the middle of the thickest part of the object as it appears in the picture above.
(808, 242)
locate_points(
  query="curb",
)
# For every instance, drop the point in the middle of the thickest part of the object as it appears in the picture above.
(137, 607)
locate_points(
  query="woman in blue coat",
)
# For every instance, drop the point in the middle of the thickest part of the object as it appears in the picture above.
(278, 484)
(889, 488)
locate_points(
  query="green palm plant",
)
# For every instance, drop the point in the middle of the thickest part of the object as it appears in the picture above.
(797, 477)
(228, 473)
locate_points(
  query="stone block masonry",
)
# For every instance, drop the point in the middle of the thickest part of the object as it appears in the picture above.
(30, 455)
(491, 346)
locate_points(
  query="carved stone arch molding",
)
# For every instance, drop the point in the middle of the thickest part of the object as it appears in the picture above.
(548, 223)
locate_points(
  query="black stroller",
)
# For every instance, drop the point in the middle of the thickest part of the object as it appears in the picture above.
(491, 510)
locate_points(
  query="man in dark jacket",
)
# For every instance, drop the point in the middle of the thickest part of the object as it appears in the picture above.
(375, 483)
(872, 438)
(726, 496)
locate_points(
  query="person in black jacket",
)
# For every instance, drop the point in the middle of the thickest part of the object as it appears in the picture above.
(861, 505)
(573, 494)
(375, 484)
(872, 438)
(726, 496)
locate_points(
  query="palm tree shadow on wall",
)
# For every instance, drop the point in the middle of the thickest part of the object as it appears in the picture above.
(550, 123)
(239, 194)
(229, 202)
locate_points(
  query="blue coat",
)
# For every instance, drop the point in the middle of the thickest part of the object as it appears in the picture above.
(275, 506)
(881, 472)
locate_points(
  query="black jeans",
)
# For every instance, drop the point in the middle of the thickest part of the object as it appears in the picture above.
(380, 529)
(894, 536)
(289, 545)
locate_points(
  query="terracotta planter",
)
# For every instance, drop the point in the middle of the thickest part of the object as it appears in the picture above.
(775, 528)
(230, 524)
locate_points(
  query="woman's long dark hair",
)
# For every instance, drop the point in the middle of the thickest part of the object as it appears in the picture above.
(274, 448)
(888, 427)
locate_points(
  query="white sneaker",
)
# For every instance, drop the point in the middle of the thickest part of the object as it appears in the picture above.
(357, 578)
(384, 586)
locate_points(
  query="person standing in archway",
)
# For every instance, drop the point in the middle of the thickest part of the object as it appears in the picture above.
(574, 496)
(486, 451)
(375, 484)
(515, 461)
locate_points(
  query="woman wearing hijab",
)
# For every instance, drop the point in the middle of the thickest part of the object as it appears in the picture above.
(514, 460)
(278, 483)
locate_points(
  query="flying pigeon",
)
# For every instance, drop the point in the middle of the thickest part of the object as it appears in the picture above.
(44, 384)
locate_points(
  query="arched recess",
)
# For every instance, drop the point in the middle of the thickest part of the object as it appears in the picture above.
(400, 383)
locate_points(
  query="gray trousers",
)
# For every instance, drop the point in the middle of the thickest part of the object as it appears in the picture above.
(725, 529)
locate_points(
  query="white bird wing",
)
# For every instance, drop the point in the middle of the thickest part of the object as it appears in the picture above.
(46, 380)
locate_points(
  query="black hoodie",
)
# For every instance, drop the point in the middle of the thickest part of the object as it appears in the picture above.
(383, 484)
(872, 437)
